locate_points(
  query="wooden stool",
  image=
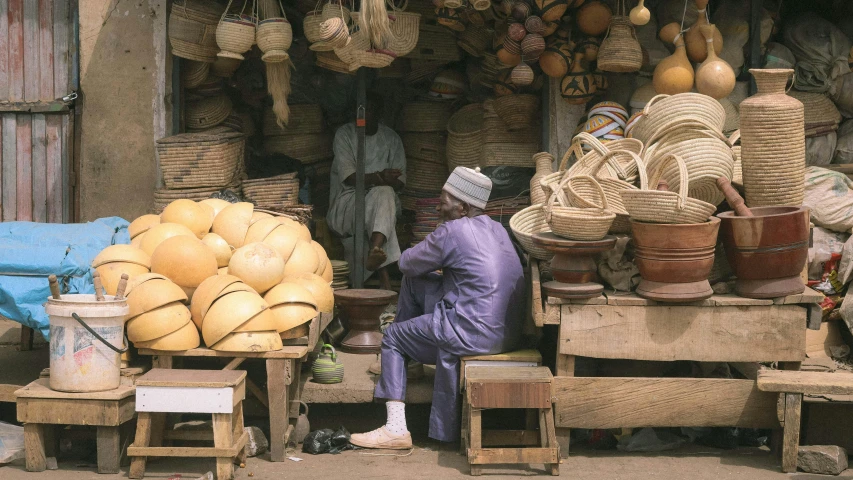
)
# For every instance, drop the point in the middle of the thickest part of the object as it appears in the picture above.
(792, 385)
(40, 408)
(510, 387)
(218, 392)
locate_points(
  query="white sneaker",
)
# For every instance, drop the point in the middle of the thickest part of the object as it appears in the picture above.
(382, 438)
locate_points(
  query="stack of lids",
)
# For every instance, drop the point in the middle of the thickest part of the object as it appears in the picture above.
(272, 193)
(426, 219)
(340, 274)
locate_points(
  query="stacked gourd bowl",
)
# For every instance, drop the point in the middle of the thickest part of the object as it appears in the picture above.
(238, 279)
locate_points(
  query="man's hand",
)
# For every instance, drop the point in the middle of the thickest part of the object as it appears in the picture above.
(390, 175)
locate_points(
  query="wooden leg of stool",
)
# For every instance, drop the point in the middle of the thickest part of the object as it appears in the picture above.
(51, 440)
(109, 449)
(476, 429)
(552, 440)
(277, 393)
(237, 431)
(463, 437)
(34, 447)
(222, 438)
(142, 439)
(791, 441)
(565, 368)
(158, 429)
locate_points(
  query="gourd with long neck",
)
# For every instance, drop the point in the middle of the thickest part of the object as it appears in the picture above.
(674, 74)
(695, 41)
(714, 77)
(640, 15)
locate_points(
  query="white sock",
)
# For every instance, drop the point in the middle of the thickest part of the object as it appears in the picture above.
(396, 422)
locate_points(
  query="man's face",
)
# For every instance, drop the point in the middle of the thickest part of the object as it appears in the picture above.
(450, 208)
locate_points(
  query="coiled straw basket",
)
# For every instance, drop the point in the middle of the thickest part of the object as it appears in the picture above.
(525, 224)
(465, 137)
(620, 50)
(585, 224)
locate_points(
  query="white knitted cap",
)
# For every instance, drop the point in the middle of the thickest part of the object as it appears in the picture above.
(470, 186)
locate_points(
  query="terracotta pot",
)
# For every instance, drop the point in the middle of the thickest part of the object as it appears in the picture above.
(768, 250)
(360, 310)
(675, 259)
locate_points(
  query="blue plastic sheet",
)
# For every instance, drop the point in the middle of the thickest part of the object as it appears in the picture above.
(30, 252)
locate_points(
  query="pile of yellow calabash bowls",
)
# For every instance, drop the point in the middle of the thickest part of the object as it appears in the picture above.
(250, 279)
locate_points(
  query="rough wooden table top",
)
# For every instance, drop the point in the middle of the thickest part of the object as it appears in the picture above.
(289, 351)
(814, 383)
(41, 389)
(630, 299)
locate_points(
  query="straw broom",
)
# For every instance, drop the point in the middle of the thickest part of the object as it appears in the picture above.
(374, 20)
(278, 86)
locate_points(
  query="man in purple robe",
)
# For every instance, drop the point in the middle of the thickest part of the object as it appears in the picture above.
(462, 294)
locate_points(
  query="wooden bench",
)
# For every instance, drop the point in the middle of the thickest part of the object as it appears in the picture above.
(793, 385)
(40, 409)
(510, 387)
(217, 392)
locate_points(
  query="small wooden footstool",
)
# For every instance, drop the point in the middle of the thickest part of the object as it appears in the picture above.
(510, 387)
(792, 385)
(41, 409)
(217, 392)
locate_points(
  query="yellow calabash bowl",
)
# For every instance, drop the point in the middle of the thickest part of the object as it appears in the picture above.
(304, 259)
(232, 223)
(328, 273)
(122, 253)
(261, 322)
(228, 313)
(184, 260)
(304, 233)
(291, 315)
(268, 341)
(320, 289)
(220, 248)
(222, 271)
(186, 338)
(283, 239)
(290, 292)
(258, 265)
(189, 214)
(256, 216)
(151, 294)
(321, 256)
(206, 293)
(111, 274)
(158, 322)
(142, 224)
(260, 229)
(217, 204)
(136, 241)
(162, 232)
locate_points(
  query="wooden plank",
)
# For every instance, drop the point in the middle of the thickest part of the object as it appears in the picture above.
(45, 45)
(31, 50)
(255, 390)
(508, 395)
(808, 296)
(662, 402)
(39, 168)
(109, 449)
(9, 161)
(16, 50)
(552, 440)
(286, 352)
(160, 377)
(628, 300)
(791, 440)
(41, 389)
(502, 438)
(24, 150)
(68, 204)
(277, 393)
(81, 412)
(62, 57)
(4, 51)
(731, 300)
(667, 333)
(7, 392)
(814, 383)
(142, 440)
(222, 440)
(485, 456)
(529, 355)
(53, 181)
(600, 300)
(475, 422)
(536, 294)
(198, 452)
(508, 374)
(34, 447)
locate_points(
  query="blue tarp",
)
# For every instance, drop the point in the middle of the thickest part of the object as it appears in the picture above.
(30, 252)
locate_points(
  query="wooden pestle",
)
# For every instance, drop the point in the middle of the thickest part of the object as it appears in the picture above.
(733, 198)
(54, 287)
(99, 287)
(122, 286)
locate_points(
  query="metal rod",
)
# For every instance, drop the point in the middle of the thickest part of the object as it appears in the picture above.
(359, 233)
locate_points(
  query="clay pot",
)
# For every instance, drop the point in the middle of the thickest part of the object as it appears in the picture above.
(516, 31)
(768, 250)
(675, 259)
(578, 87)
(674, 74)
(360, 310)
(714, 77)
(694, 39)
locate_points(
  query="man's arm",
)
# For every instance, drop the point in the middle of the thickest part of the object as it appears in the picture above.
(428, 256)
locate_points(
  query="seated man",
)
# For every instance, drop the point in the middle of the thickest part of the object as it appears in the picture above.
(384, 176)
(462, 294)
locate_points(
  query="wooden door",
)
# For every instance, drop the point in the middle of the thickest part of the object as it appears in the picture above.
(38, 46)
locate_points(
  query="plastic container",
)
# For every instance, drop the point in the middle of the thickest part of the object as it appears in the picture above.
(79, 361)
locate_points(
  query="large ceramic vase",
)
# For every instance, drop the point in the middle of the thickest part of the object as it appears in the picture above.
(773, 142)
(675, 259)
(768, 250)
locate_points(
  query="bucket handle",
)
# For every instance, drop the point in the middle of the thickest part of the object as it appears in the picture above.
(117, 350)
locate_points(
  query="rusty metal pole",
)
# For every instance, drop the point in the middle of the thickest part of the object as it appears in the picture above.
(358, 231)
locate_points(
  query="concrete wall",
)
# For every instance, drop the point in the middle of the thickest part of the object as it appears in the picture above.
(123, 80)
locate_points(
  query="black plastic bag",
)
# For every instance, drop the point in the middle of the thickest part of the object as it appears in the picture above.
(326, 441)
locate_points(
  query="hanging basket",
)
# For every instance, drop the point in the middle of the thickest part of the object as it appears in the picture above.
(405, 32)
(311, 26)
(235, 35)
(274, 36)
(620, 51)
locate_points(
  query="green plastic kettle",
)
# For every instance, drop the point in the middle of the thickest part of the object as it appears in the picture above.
(326, 368)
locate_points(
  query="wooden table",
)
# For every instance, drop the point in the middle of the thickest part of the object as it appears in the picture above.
(723, 328)
(281, 397)
(41, 408)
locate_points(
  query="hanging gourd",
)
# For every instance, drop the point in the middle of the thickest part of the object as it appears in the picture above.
(235, 33)
(714, 77)
(674, 74)
(551, 10)
(510, 53)
(532, 47)
(503, 84)
(522, 75)
(578, 86)
(556, 60)
(695, 41)
(593, 18)
(520, 11)
(620, 50)
(534, 24)
(516, 31)
(640, 15)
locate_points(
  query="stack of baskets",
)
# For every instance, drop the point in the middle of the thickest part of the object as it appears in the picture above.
(426, 219)
(511, 131)
(821, 115)
(423, 125)
(303, 138)
(207, 112)
(192, 29)
(465, 137)
(586, 217)
(272, 193)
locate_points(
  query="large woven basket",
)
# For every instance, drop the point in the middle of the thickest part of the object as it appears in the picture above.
(307, 148)
(207, 112)
(304, 118)
(465, 137)
(194, 73)
(425, 116)
(431, 147)
(664, 110)
(655, 206)
(311, 26)
(274, 36)
(425, 175)
(192, 30)
(192, 160)
(330, 61)
(588, 163)
(586, 224)
(525, 224)
(436, 44)
(235, 35)
(509, 154)
(475, 40)
(404, 32)
(613, 188)
(620, 50)
(518, 110)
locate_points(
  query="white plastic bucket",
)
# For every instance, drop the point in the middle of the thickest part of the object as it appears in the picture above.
(79, 361)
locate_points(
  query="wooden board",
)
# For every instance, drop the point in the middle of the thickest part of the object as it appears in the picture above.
(662, 402)
(45, 46)
(24, 151)
(529, 355)
(509, 374)
(4, 52)
(791, 434)
(39, 168)
(600, 300)
(9, 165)
(41, 389)
(496, 394)
(484, 456)
(815, 383)
(31, 50)
(77, 412)
(623, 299)
(7, 392)
(160, 377)
(294, 351)
(16, 50)
(199, 452)
(666, 333)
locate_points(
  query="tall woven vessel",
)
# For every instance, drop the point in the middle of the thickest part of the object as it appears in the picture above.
(773, 142)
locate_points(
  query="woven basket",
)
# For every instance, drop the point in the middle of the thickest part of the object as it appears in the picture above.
(613, 188)
(586, 224)
(311, 26)
(663, 110)
(425, 116)
(330, 61)
(304, 118)
(224, 67)
(544, 166)
(194, 73)
(335, 10)
(465, 137)
(655, 206)
(425, 175)
(475, 40)
(732, 116)
(431, 147)
(190, 38)
(509, 154)
(199, 160)
(235, 36)
(435, 44)
(588, 163)
(404, 32)
(207, 112)
(518, 111)
(818, 109)
(371, 59)
(307, 148)
(620, 50)
(274, 36)
(525, 224)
